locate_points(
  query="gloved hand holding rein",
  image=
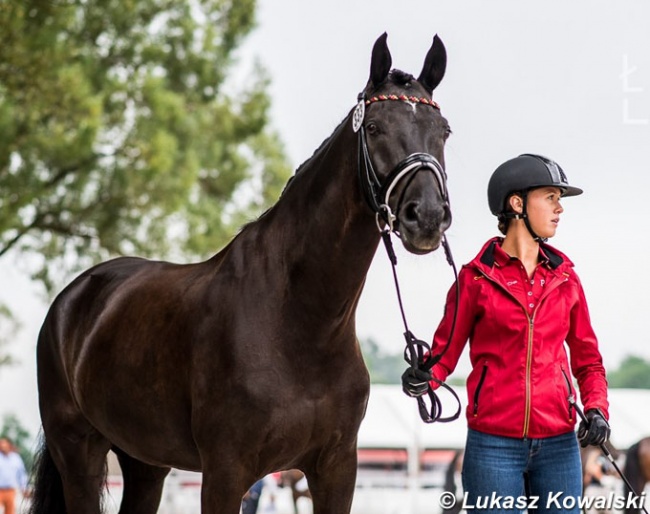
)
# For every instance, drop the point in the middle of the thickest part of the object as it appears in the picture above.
(415, 382)
(596, 432)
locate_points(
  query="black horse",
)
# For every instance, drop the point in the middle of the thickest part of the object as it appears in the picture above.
(637, 471)
(246, 363)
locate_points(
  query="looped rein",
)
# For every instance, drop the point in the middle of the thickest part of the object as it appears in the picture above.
(377, 197)
(417, 353)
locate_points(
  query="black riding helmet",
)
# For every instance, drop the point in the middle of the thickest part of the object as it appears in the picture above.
(520, 175)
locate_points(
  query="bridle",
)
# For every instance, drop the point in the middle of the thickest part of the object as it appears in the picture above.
(377, 195)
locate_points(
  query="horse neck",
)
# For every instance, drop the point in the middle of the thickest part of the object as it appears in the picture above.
(327, 233)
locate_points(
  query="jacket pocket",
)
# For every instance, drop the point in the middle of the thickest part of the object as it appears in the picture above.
(570, 392)
(479, 386)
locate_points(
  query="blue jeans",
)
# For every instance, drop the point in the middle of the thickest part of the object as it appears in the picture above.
(505, 474)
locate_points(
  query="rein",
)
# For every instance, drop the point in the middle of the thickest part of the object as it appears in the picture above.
(377, 196)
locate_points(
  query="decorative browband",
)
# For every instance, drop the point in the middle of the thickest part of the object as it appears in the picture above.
(403, 98)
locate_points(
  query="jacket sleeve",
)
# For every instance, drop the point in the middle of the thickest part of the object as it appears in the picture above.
(586, 360)
(461, 329)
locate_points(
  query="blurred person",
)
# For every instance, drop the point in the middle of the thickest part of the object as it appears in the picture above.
(519, 302)
(600, 480)
(13, 476)
(251, 499)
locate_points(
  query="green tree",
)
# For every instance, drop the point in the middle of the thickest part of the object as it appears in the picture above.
(633, 372)
(121, 134)
(387, 368)
(8, 328)
(384, 368)
(13, 430)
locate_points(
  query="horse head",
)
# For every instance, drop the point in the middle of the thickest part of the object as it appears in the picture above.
(402, 136)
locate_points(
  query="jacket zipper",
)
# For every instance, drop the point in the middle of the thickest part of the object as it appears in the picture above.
(529, 362)
(478, 388)
(529, 349)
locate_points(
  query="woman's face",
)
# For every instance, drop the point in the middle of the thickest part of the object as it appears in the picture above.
(544, 209)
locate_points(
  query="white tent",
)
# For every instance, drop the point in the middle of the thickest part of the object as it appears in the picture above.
(627, 416)
(392, 420)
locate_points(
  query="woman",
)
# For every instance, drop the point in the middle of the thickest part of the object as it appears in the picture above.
(520, 301)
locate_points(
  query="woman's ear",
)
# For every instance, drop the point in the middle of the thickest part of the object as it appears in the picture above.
(516, 203)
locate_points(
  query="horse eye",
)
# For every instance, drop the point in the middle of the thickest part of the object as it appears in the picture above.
(372, 127)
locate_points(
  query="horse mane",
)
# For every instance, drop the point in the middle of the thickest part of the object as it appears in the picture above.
(397, 77)
(295, 174)
(318, 150)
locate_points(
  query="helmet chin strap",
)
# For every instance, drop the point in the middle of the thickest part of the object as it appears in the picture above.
(524, 216)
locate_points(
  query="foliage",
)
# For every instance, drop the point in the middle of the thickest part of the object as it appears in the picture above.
(384, 368)
(118, 134)
(456, 381)
(13, 430)
(633, 373)
(8, 327)
(387, 368)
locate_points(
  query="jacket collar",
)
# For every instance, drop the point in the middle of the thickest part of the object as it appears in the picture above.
(555, 257)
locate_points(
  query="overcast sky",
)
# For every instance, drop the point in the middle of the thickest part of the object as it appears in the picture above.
(570, 80)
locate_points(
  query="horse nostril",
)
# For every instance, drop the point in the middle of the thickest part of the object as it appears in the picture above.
(425, 216)
(447, 213)
(411, 212)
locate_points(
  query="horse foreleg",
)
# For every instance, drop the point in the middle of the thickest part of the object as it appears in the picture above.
(143, 485)
(332, 484)
(222, 489)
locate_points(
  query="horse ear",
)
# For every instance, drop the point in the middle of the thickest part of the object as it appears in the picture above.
(434, 65)
(381, 61)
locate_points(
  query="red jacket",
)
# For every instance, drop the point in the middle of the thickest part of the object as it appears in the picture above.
(521, 378)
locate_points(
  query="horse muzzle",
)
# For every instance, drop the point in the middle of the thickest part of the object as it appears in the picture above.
(421, 225)
(422, 212)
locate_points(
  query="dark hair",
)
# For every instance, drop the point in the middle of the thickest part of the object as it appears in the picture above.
(503, 220)
(503, 224)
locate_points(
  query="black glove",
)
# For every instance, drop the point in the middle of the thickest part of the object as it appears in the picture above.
(596, 431)
(415, 382)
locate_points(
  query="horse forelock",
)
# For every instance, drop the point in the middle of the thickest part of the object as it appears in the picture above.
(396, 79)
(401, 78)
